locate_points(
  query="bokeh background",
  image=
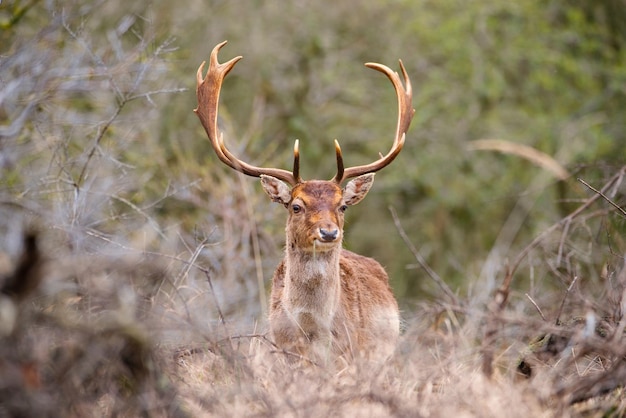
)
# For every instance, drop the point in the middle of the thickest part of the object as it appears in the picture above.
(547, 75)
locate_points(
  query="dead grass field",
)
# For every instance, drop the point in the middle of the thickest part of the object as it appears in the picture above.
(136, 335)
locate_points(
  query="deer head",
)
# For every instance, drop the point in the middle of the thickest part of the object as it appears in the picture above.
(315, 206)
(316, 209)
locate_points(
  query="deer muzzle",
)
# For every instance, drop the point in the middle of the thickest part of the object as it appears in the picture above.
(328, 234)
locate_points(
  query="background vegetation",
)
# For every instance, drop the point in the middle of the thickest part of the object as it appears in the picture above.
(125, 243)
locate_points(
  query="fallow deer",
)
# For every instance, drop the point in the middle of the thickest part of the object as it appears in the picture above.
(325, 301)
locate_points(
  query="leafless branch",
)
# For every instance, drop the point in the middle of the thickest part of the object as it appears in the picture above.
(567, 292)
(418, 257)
(611, 202)
(536, 306)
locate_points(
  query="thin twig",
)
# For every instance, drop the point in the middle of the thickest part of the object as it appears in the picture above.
(217, 305)
(536, 306)
(564, 233)
(567, 292)
(153, 223)
(147, 95)
(615, 205)
(418, 257)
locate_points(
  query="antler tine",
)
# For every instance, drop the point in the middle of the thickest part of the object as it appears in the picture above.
(405, 114)
(208, 93)
(339, 175)
(296, 162)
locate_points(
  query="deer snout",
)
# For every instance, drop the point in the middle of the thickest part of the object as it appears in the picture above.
(328, 235)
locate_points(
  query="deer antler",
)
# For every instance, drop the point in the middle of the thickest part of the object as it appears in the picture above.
(405, 114)
(208, 92)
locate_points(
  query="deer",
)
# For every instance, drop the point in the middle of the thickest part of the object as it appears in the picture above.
(326, 301)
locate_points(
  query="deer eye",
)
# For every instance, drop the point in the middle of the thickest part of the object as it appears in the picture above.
(296, 208)
(343, 208)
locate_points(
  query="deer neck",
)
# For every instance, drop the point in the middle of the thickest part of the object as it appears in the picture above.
(312, 280)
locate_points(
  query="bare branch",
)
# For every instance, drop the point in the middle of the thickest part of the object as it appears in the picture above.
(615, 205)
(536, 306)
(418, 257)
(567, 292)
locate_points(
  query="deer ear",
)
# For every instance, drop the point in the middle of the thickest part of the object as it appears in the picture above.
(357, 188)
(276, 189)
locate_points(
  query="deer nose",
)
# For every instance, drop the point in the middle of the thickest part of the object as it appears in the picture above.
(328, 235)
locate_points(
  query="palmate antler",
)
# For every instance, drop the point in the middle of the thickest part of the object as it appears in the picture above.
(208, 92)
(405, 114)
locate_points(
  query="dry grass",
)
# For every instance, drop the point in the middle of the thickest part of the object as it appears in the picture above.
(105, 336)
